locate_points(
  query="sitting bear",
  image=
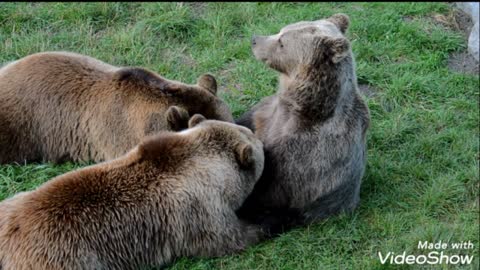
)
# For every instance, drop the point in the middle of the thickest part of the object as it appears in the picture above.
(60, 106)
(313, 129)
(173, 195)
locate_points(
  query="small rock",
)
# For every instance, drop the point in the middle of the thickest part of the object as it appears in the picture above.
(463, 62)
(472, 9)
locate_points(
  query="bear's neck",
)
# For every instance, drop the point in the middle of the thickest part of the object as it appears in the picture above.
(312, 93)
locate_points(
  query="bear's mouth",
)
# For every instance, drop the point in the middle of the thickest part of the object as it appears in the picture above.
(257, 56)
(276, 66)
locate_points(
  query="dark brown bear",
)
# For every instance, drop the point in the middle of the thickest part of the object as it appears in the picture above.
(314, 128)
(174, 195)
(59, 106)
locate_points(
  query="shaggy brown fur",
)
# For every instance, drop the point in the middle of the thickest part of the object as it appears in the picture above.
(314, 128)
(173, 195)
(58, 106)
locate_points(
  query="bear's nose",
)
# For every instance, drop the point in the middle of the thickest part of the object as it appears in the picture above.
(254, 40)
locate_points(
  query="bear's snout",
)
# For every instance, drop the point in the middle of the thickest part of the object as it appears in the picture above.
(258, 40)
(254, 40)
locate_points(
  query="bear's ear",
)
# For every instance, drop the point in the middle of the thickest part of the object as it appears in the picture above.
(177, 118)
(208, 82)
(339, 48)
(341, 21)
(144, 78)
(244, 155)
(195, 120)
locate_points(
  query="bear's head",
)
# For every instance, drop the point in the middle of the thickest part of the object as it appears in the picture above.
(228, 156)
(304, 44)
(214, 108)
(238, 140)
(240, 147)
(199, 98)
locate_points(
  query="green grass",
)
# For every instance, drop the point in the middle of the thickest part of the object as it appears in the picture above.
(422, 178)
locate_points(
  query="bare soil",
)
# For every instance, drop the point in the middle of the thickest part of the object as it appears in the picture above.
(458, 20)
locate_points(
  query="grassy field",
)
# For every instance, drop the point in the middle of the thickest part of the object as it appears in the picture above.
(422, 178)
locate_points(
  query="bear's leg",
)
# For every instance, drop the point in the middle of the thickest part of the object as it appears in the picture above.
(7, 145)
(246, 120)
(344, 198)
(235, 237)
(278, 221)
(250, 234)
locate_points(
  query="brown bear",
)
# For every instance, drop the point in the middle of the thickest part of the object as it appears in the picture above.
(314, 128)
(60, 106)
(173, 195)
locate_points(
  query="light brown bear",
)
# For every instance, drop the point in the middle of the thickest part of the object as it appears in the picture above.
(173, 195)
(314, 128)
(60, 106)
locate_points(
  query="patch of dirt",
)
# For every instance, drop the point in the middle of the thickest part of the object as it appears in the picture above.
(198, 7)
(456, 20)
(463, 62)
(357, 7)
(407, 18)
(367, 90)
(180, 56)
(459, 21)
(187, 60)
(226, 83)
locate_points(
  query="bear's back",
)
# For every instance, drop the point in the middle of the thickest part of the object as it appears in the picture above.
(46, 101)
